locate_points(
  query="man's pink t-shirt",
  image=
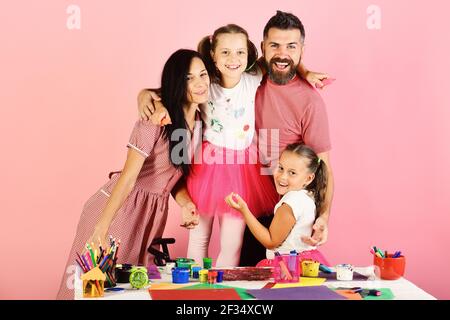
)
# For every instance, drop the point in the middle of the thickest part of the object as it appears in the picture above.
(298, 112)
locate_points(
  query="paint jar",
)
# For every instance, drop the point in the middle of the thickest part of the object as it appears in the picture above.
(195, 272)
(344, 272)
(203, 275)
(169, 266)
(180, 275)
(286, 268)
(389, 268)
(207, 263)
(185, 263)
(219, 276)
(212, 276)
(310, 268)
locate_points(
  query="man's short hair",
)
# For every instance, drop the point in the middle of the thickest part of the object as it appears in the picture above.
(284, 21)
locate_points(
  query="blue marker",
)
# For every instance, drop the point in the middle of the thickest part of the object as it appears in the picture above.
(115, 289)
(324, 268)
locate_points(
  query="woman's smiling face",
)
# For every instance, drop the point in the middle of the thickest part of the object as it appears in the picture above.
(197, 82)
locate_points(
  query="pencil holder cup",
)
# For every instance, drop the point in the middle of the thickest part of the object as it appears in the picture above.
(310, 268)
(389, 268)
(93, 283)
(93, 288)
(286, 268)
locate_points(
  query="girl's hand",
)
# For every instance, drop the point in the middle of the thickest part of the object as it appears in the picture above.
(236, 202)
(315, 79)
(189, 216)
(161, 116)
(151, 108)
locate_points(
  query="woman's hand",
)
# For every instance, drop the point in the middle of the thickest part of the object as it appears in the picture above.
(320, 233)
(189, 215)
(236, 202)
(99, 237)
(315, 79)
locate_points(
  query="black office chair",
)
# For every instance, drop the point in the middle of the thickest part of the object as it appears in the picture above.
(161, 257)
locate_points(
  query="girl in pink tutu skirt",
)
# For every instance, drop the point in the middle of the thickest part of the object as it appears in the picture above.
(227, 160)
(301, 180)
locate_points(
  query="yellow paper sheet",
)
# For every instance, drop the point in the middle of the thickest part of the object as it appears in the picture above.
(304, 282)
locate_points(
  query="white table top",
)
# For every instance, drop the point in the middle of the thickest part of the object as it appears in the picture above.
(401, 288)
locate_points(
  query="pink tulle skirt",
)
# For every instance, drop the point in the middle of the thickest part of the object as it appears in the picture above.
(223, 171)
(315, 255)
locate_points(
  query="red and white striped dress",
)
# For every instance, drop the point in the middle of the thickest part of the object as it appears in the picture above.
(142, 216)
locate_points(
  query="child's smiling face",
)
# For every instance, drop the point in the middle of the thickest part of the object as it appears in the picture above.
(231, 54)
(292, 173)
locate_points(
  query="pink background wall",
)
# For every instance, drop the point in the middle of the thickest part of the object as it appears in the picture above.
(68, 103)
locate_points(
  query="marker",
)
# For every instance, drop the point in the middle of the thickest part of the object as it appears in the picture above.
(381, 253)
(374, 292)
(324, 268)
(115, 289)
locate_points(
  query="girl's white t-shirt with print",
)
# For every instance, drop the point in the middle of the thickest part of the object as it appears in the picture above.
(304, 210)
(229, 115)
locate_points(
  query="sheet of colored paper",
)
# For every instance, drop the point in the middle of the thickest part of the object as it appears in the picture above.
(297, 293)
(304, 282)
(200, 294)
(349, 294)
(241, 292)
(167, 285)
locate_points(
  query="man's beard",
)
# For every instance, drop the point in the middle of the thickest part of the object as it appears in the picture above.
(279, 77)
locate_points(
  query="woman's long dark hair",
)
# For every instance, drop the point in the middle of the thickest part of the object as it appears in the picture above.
(315, 165)
(174, 97)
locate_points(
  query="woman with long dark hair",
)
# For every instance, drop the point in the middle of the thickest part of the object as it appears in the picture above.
(133, 205)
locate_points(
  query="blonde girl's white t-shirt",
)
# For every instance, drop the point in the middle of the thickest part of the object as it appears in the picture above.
(304, 210)
(229, 115)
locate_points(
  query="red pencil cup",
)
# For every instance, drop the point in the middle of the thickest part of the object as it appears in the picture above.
(286, 268)
(389, 268)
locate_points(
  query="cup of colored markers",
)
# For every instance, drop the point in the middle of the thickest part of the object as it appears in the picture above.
(388, 266)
